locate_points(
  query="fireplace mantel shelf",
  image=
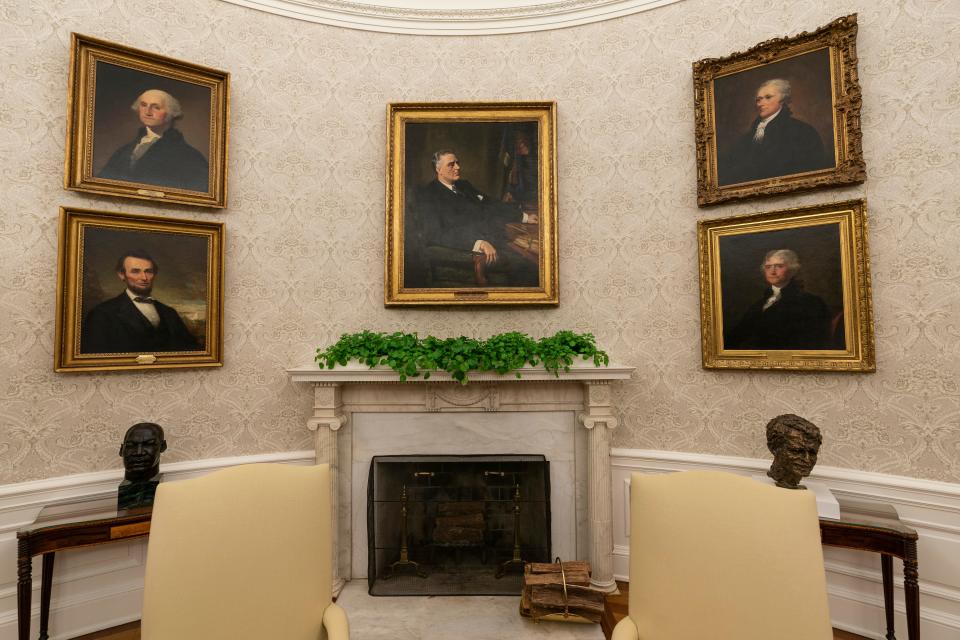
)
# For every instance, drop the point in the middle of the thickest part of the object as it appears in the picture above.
(356, 372)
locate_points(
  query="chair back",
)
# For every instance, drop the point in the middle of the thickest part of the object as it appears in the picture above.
(720, 556)
(242, 553)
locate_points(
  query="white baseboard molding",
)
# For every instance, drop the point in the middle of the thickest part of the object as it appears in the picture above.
(853, 578)
(99, 625)
(105, 583)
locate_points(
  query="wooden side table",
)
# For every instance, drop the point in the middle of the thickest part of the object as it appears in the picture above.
(48, 538)
(890, 539)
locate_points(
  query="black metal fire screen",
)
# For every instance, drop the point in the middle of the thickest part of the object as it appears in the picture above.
(456, 525)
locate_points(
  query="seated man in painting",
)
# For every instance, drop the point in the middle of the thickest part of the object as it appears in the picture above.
(785, 316)
(158, 154)
(451, 213)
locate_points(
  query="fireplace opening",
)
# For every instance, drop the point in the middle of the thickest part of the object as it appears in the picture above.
(455, 525)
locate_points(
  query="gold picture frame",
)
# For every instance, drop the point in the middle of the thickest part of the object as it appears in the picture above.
(111, 265)
(488, 237)
(141, 125)
(763, 308)
(805, 92)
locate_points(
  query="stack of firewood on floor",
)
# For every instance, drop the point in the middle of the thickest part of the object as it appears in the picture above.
(544, 596)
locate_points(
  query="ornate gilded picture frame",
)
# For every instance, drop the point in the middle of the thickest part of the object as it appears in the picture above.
(783, 116)
(471, 204)
(787, 290)
(138, 292)
(141, 125)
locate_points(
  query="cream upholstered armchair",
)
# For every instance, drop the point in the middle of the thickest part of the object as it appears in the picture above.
(243, 553)
(719, 556)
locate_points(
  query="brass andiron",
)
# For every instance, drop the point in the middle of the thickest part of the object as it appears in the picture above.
(515, 561)
(404, 563)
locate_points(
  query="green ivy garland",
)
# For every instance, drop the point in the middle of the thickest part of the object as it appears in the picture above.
(411, 356)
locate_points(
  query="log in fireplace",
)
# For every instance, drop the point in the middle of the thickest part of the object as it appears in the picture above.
(455, 525)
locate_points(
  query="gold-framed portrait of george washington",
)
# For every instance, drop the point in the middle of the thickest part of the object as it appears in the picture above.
(141, 125)
(471, 204)
(787, 289)
(138, 292)
(783, 116)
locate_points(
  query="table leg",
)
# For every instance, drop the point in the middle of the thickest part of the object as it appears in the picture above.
(46, 586)
(24, 589)
(911, 589)
(886, 568)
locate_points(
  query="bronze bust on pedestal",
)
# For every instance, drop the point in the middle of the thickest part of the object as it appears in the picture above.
(794, 443)
(141, 449)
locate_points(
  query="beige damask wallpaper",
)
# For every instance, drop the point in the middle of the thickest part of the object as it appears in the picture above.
(305, 224)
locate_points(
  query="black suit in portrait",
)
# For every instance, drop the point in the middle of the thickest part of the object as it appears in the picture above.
(169, 162)
(798, 320)
(117, 326)
(458, 219)
(788, 146)
(440, 217)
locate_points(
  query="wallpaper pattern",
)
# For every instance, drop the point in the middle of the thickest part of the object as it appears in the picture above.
(304, 241)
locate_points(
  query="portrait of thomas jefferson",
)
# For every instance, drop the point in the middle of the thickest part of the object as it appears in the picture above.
(775, 120)
(785, 315)
(151, 130)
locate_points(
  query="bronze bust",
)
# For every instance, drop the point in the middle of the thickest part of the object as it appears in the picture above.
(794, 443)
(141, 449)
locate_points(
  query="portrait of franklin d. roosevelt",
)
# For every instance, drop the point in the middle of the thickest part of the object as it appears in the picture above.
(782, 289)
(472, 205)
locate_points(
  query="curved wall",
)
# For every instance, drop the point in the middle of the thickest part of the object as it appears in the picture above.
(305, 224)
(461, 17)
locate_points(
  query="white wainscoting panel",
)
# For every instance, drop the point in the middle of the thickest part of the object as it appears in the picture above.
(102, 587)
(93, 588)
(853, 578)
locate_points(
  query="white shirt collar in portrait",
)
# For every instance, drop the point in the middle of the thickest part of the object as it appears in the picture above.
(148, 310)
(773, 298)
(758, 134)
(145, 143)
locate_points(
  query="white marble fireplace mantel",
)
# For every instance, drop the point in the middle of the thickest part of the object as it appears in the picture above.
(356, 388)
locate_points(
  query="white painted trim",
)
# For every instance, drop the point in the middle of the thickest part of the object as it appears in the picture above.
(43, 488)
(357, 372)
(467, 17)
(82, 599)
(626, 509)
(18, 500)
(924, 489)
(87, 571)
(931, 507)
(111, 596)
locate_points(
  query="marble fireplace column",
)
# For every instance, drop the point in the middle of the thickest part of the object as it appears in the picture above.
(598, 419)
(326, 422)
